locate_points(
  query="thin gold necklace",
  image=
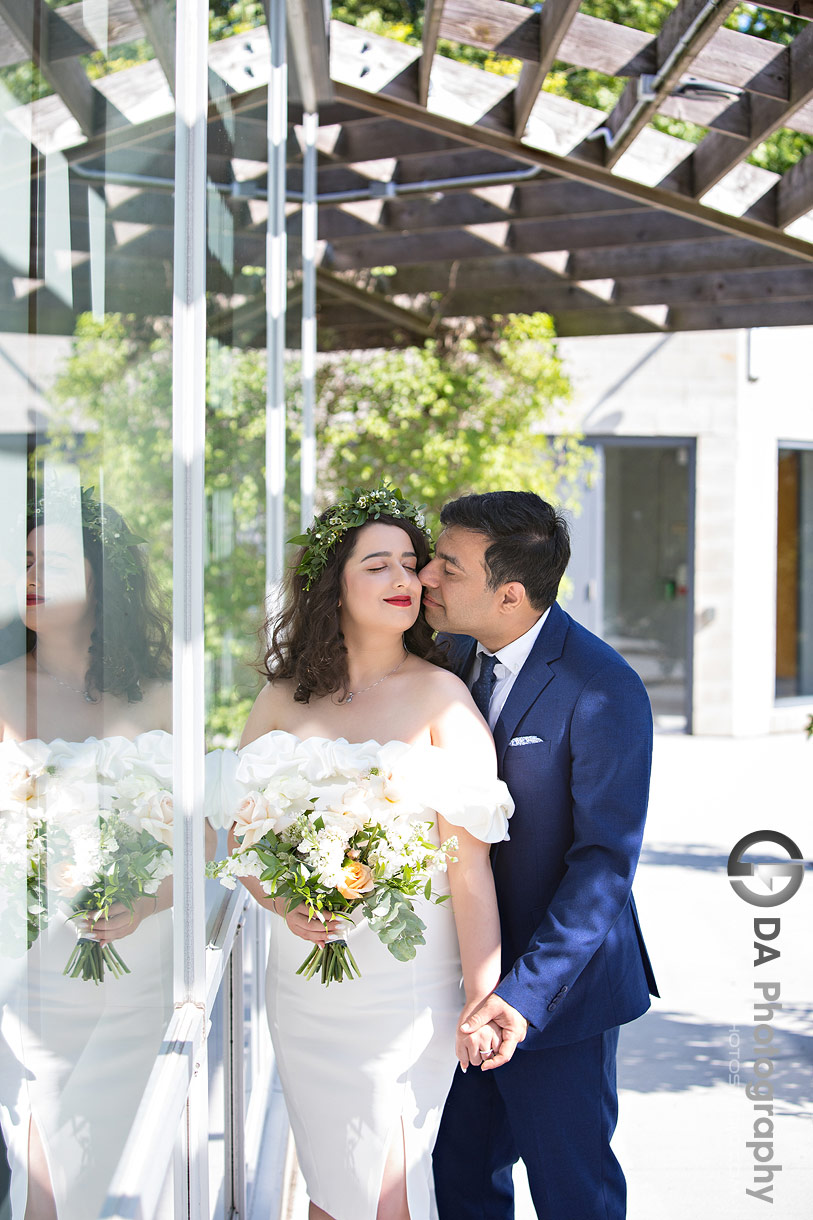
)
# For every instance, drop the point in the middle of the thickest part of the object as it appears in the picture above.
(86, 695)
(351, 694)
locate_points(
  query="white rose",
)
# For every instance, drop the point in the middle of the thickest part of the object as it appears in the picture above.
(253, 817)
(158, 817)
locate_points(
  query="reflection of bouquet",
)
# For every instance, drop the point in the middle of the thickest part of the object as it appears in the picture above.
(23, 845)
(98, 819)
(341, 833)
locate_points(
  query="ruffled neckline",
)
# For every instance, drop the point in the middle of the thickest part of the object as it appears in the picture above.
(360, 745)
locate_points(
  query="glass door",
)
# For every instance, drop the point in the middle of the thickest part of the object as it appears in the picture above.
(631, 571)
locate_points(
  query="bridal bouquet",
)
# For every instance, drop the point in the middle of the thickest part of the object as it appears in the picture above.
(86, 826)
(341, 834)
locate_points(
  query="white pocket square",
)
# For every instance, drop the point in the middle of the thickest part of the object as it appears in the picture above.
(525, 741)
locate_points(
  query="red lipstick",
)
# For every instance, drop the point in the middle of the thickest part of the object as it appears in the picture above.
(399, 601)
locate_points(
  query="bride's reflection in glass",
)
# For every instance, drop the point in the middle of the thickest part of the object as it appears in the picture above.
(85, 779)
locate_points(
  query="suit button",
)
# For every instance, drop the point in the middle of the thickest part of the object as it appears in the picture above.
(556, 998)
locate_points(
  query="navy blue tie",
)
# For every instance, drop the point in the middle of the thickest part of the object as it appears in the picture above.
(484, 685)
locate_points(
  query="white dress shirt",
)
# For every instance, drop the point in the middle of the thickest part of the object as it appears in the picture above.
(510, 661)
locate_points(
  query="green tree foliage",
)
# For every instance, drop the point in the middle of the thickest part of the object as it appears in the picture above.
(441, 420)
(437, 420)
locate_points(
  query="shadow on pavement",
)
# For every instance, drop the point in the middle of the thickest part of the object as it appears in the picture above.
(686, 855)
(667, 1052)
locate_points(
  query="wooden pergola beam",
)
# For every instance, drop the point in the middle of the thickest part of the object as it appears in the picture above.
(727, 288)
(794, 192)
(377, 304)
(759, 289)
(567, 167)
(35, 26)
(718, 154)
(554, 22)
(684, 33)
(527, 203)
(72, 37)
(433, 13)
(794, 8)
(370, 249)
(741, 317)
(159, 26)
(709, 255)
(523, 278)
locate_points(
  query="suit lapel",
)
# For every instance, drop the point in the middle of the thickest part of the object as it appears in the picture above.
(461, 653)
(532, 679)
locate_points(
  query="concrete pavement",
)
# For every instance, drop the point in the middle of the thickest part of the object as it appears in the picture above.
(685, 1120)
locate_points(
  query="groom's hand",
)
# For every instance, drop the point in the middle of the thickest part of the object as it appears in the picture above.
(511, 1023)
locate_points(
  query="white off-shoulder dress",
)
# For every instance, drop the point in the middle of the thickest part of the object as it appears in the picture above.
(364, 1058)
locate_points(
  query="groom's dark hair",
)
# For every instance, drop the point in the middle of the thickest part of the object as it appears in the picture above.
(529, 541)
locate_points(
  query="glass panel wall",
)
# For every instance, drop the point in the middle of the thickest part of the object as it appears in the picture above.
(86, 893)
(239, 62)
(647, 566)
(97, 488)
(794, 574)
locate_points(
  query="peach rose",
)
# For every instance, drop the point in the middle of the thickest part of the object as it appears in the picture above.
(357, 879)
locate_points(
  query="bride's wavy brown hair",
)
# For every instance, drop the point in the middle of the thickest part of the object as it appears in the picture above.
(306, 642)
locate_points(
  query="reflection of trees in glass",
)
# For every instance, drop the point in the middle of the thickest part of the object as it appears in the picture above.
(438, 421)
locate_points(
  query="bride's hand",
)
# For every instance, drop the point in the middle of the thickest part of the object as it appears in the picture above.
(120, 921)
(309, 928)
(477, 1048)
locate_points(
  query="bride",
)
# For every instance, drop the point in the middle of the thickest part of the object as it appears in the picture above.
(365, 1067)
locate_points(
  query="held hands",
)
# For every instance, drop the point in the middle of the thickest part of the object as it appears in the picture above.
(494, 1014)
(475, 1049)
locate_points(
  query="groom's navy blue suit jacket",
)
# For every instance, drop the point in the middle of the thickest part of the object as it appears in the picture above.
(574, 745)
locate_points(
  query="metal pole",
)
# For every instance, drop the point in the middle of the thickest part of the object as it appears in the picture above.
(275, 292)
(310, 213)
(188, 505)
(234, 1100)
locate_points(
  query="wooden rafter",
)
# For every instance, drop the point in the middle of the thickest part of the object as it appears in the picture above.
(72, 37)
(523, 204)
(718, 154)
(657, 197)
(794, 192)
(36, 26)
(794, 8)
(685, 32)
(159, 26)
(648, 284)
(710, 255)
(376, 303)
(433, 12)
(554, 22)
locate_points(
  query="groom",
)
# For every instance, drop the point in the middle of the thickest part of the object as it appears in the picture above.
(573, 731)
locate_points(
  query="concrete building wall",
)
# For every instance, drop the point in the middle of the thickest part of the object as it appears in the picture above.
(737, 394)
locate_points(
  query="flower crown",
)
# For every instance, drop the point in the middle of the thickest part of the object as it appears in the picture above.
(105, 525)
(354, 509)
